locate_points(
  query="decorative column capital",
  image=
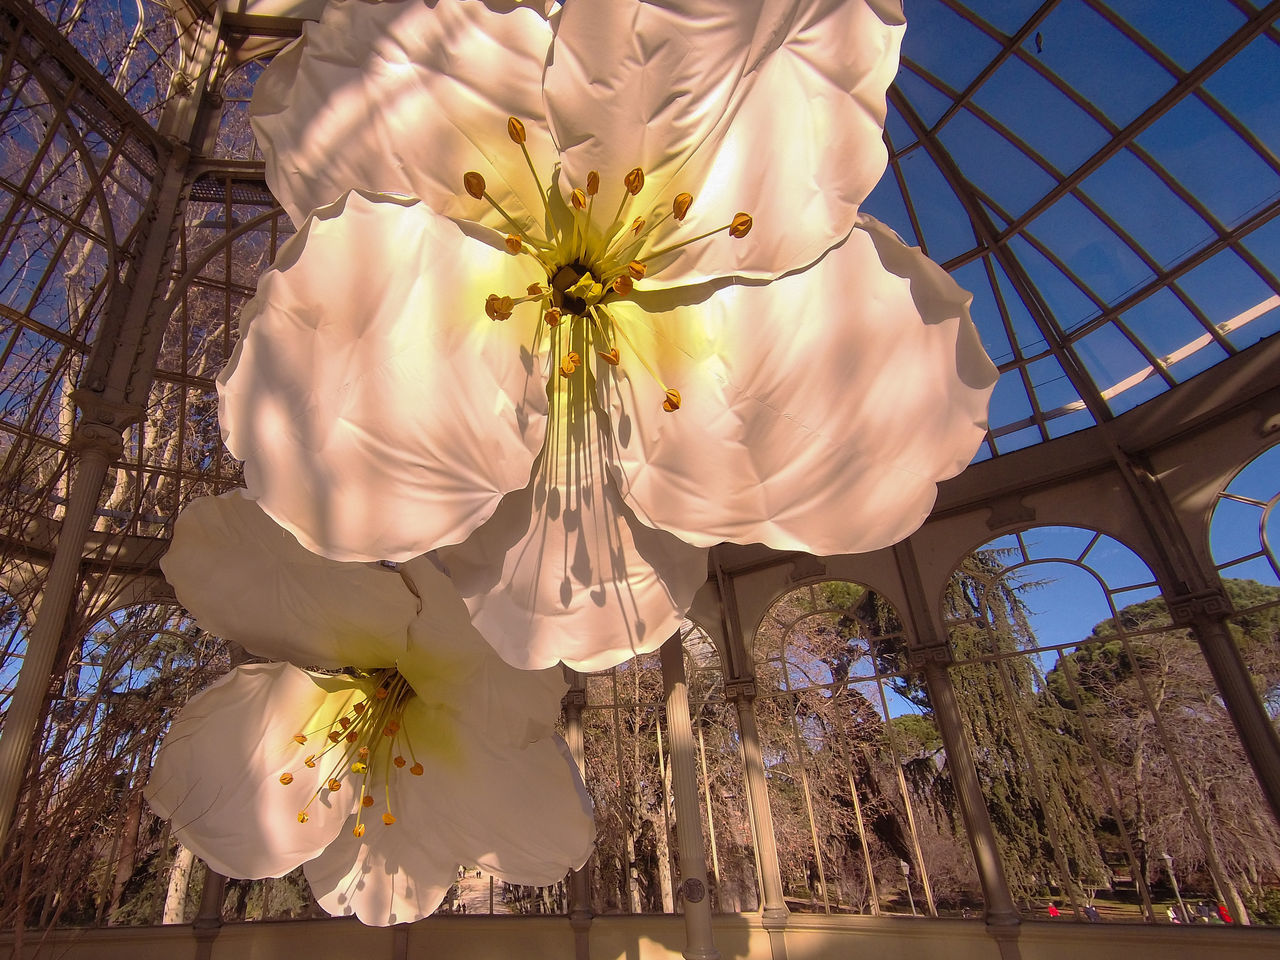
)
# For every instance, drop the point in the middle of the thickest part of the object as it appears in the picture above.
(935, 655)
(102, 422)
(574, 699)
(1187, 608)
(735, 690)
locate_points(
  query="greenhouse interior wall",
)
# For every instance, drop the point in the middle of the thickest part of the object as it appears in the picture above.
(1042, 726)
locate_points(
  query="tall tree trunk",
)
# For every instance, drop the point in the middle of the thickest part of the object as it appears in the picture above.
(128, 850)
(175, 898)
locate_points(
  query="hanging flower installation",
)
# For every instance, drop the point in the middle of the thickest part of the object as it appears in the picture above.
(381, 778)
(573, 299)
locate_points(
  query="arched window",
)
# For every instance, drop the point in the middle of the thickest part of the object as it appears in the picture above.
(126, 676)
(635, 868)
(1110, 766)
(858, 780)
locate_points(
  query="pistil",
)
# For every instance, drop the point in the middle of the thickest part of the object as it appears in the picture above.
(585, 273)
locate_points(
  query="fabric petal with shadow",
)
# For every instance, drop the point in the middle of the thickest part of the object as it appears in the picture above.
(830, 402)
(353, 403)
(217, 775)
(289, 604)
(404, 98)
(774, 107)
(563, 571)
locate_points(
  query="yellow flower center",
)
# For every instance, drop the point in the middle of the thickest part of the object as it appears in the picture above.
(589, 266)
(366, 738)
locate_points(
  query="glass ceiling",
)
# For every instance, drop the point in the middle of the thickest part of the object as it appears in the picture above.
(1102, 175)
(1104, 178)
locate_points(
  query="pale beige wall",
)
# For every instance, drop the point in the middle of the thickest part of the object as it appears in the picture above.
(658, 938)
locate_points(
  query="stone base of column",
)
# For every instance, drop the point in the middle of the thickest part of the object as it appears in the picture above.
(580, 921)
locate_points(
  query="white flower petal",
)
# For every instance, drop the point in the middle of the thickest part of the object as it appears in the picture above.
(562, 571)
(394, 874)
(379, 411)
(448, 662)
(821, 408)
(217, 774)
(772, 107)
(521, 814)
(245, 578)
(405, 97)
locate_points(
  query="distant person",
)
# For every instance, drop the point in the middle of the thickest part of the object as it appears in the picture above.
(1173, 915)
(1092, 913)
(1222, 912)
(1054, 912)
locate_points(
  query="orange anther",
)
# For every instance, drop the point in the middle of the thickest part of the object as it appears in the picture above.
(497, 308)
(634, 181)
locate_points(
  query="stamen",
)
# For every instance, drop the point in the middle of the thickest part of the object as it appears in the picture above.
(388, 819)
(680, 206)
(634, 183)
(334, 785)
(416, 770)
(286, 778)
(513, 244)
(496, 308)
(474, 184)
(515, 130)
(613, 358)
(303, 816)
(579, 199)
(359, 830)
(738, 228)
(672, 403)
(593, 183)
(572, 360)
(552, 316)
(299, 738)
(399, 761)
(623, 285)
(637, 270)
(367, 801)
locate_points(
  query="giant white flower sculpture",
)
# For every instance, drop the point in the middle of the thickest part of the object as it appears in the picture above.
(601, 298)
(380, 780)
